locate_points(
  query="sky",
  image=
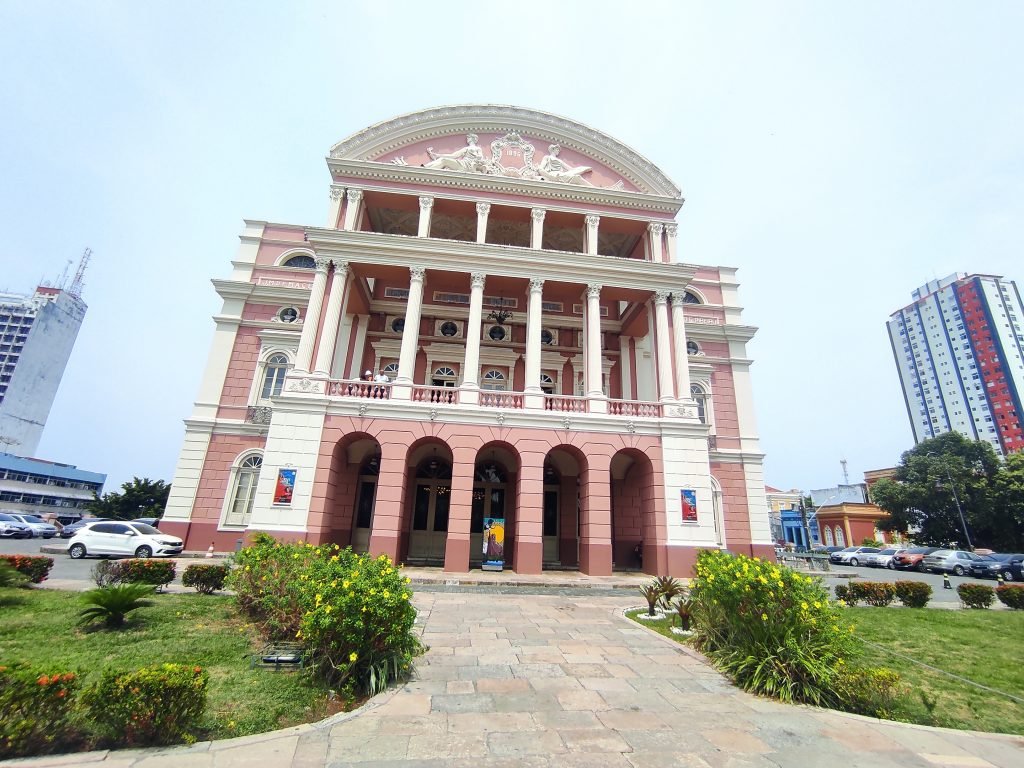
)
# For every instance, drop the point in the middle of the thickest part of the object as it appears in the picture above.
(839, 154)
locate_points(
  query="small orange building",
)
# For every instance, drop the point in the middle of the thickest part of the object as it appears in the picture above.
(847, 524)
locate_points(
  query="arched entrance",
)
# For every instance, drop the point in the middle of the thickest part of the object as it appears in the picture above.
(563, 468)
(366, 495)
(352, 491)
(495, 476)
(634, 528)
(431, 502)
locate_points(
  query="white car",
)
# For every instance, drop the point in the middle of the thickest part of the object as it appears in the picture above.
(39, 526)
(884, 558)
(112, 537)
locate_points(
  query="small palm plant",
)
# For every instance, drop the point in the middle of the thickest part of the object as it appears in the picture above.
(682, 608)
(652, 594)
(112, 604)
(670, 588)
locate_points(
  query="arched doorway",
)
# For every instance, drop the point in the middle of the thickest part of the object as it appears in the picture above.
(431, 502)
(490, 501)
(563, 468)
(634, 528)
(366, 495)
(352, 491)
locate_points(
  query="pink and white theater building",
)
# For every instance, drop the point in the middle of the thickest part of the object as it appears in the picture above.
(552, 360)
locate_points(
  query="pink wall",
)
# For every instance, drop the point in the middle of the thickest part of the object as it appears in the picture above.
(241, 367)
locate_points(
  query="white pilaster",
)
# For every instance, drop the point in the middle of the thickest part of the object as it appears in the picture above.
(334, 207)
(187, 473)
(666, 393)
(671, 230)
(537, 227)
(358, 347)
(533, 323)
(625, 368)
(426, 208)
(474, 325)
(595, 384)
(482, 211)
(592, 223)
(332, 318)
(410, 334)
(354, 197)
(654, 230)
(679, 338)
(307, 340)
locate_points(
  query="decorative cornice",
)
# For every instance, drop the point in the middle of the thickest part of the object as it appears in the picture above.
(655, 228)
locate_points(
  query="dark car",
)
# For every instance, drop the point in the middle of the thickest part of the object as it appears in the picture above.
(988, 566)
(825, 550)
(70, 530)
(1009, 566)
(913, 558)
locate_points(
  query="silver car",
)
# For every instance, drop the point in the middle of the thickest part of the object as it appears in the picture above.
(39, 526)
(950, 561)
(884, 558)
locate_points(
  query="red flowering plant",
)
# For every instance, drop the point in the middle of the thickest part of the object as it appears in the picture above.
(35, 710)
(35, 567)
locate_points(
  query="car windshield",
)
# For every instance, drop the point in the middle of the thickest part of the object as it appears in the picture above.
(987, 558)
(8, 518)
(32, 519)
(888, 552)
(919, 551)
(148, 530)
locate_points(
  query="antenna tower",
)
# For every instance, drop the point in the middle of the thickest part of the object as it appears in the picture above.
(846, 475)
(76, 284)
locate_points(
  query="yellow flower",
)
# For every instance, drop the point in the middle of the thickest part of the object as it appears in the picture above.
(334, 558)
(386, 594)
(405, 595)
(764, 617)
(803, 606)
(352, 656)
(319, 598)
(345, 584)
(817, 604)
(299, 633)
(841, 602)
(327, 609)
(351, 594)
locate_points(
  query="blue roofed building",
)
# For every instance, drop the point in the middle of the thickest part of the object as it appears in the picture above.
(46, 488)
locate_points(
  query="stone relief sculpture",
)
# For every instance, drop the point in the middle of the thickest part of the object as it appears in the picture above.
(470, 158)
(552, 168)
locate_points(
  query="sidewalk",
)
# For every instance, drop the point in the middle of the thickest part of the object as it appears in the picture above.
(539, 681)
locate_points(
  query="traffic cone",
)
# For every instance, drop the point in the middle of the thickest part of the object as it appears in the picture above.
(999, 580)
(209, 552)
(945, 581)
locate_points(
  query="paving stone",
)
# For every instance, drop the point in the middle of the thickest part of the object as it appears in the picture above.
(174, 760)
(448, 745)
(581, 700)
(460, 686)
(494, 671)
(558, 720)
(506, 722)
(666, 760)
(607, 684)
(472, 702)
(665, 739)
(407, 704)
(555, 684)
(620, 720)
(516, 685)
(647, 701)
(593, 760)
(543, 743)
(270, 752)
(530, 671)
(530, 701)
(593, 740)
(735, 740)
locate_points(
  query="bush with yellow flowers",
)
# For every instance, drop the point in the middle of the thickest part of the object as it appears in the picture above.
(774, 631)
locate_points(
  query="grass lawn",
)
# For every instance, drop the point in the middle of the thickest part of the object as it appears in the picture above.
(38, 626)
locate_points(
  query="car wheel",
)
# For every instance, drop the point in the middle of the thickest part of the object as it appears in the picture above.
(891, 566)
(144, 552)
(1007, 575)
(919, 567)
(854, 562)
(76, 551)
(959, 570)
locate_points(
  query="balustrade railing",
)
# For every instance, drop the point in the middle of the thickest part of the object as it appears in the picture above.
(423, 394)
(566, 403)
(371, 390)
(634, 408)
(492, 399)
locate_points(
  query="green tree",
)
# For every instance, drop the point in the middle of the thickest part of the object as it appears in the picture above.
(929, 481)
(139, 498)
(1007, 515)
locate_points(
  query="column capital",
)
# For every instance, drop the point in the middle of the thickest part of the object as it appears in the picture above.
(341, 269)
(354, 195)
(592, 220)
(476, 279)
(671, 229)
(536, 285)
(426, 202)
(655, 228)
(538, 214)
(336, 192)
(322, 264)
(417, 273)
(594, 290)
(678, 299)
(661, 297)
(481, 208)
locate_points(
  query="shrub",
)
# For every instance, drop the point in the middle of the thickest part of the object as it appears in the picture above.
(876, 593)
(976, 595)
(874, 692)
(670, 588)
(155, 705)
(35, 567)
(682, 608)
(207, 579)
(35, 710)
(112, 604)
(913, 594)
(1011, 595)
(872, 543)
(352, 612)
(843, 593)
(773, 630)
(652, 594)
(10, 577)
(144, 571)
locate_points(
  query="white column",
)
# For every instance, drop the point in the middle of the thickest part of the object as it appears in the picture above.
(426, 208)
(533, 322)
(332, 318)
(666, 393)
(654, 230)
(625, 368)
(592, 222)
(679, 337)
(334, 209)
(410, 334)
(482, 210)
(354, 197)
(595, 385)
(355, 365)
(671, 229)
(471, 363)
(537, 228)
(312, 317)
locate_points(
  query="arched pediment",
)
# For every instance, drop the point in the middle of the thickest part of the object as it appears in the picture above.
(510, 142)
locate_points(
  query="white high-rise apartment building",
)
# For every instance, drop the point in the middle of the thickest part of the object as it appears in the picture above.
(959, 348)
(37, 334)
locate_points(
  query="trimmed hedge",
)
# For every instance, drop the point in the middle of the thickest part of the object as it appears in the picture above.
(207, 579)
(913, 594)
(976, 595)
(1011, 595)
(134, 571)
(153, 706)
(35, 710)
(876, 593)
(35, 567)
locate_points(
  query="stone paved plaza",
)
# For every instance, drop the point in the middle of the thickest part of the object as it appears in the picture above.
(558, 680)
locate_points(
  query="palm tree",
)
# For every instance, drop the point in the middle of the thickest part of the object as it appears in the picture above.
(112, 604)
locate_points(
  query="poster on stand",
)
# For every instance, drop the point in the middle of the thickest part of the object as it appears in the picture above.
(689, 505)
(494, 543)
(285, 486)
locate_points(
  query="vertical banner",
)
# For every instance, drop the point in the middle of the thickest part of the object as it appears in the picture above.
(689, 498)
(494, 543)
(285, 486)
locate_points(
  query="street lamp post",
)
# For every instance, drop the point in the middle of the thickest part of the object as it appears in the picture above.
(956, 499)
(814, 514)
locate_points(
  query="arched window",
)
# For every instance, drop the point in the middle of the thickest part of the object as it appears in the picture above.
(443, 377)
(494, 380)
(692, 348)
(449, 329)
(547, 384)
(245, 476)
(273, 376)
(391, 370)
(690, 298)
(829, 541)
(302, 261)
(700, 397)
(840, 538)
(398, 324)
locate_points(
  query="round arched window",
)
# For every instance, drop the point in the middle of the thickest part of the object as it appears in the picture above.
(302, 261)
(547, 337)
(690, 298)
(449, 329)
(692, 348)
(398, 324)
(288, 315)
(497, 333)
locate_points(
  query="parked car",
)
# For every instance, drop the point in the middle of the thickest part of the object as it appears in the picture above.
(71, 529)
(820, 550)
(39, 527)
(854, 555)
(955, 561)
(1013, 569)
(112, 537)
(883, 559)
(153, 521)
(912, 559)
(837, 556)
(991, 566)
(12, 528)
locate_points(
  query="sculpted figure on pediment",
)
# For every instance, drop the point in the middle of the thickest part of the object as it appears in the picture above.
(470, 158)
(553, 168)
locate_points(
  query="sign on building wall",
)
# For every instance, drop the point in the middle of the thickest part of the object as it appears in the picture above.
(285, 487)
(494, 543)
(689, 499)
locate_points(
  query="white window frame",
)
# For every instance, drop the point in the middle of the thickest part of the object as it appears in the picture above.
(242, 466)
(256, 393)
(490, 377)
